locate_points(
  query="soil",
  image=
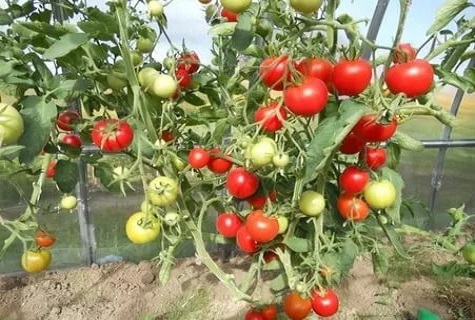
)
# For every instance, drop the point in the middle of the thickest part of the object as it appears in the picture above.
(126, 291)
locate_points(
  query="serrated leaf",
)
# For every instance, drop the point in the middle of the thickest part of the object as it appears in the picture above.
(329, 134)
(222, 29)
(447, 13)
(65, 45)
(394, 155)
(407, 142)
(455, 80)
(298, 244)
(243, 35)
(380, 262)
(38, 118)
(396, 179)
(66, 175)
(279, 283)
(394, 239)
(44, 28)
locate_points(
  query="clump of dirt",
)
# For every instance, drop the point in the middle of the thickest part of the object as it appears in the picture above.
(126, 291)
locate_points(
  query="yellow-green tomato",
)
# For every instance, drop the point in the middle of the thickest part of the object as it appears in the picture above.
(380, 194)
(171, 218)
(162, 191)
(155, 8)
(136, 58)
(164, 86)
(311, 203)
(236, 6)
(147, 77)
(468, 252)
(306, 6)
(115, 81)
(283, 224)
(281, 159)
(263, 152)
(11, 125)
(68, 202)
(36, 261)
(141, 228)
(145, 45)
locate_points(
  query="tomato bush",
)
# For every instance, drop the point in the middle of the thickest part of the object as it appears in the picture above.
(290, 115)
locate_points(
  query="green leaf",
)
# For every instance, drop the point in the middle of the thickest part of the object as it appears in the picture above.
(447, 272)
(104, 172)
(394, 239)
(38, 118)
(342, 261)
(243, 34)
(221, 128)
(5, 18)
(446, 14)
(407, 142)
(45, 75)
(298, 244)
(279, 283)
(223, 29)
(9, 151)
(65, 45)
(455, 80)
(66, 175)
(394, 155)
(193, 99)
(329, 134)
(380, 262)
(43, 28)
(396, 179)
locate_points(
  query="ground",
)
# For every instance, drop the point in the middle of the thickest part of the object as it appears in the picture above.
(125, 291)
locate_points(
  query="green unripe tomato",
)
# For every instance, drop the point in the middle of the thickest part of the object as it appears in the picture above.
(311, 203)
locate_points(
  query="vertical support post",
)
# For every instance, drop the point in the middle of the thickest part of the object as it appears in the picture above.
(437, 173)
(374, 26)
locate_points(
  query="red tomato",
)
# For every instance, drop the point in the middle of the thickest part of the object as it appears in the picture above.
(270, 312)
(112, 135)
(198, 158)
(405, 52)
(216, 164)
(189, 61)
(241, 183)
(67, 119)
(44, 239)
(351, 207)
(351, 77)
(167, 136)
(228, 224)
(351, 144)
(183, 78)
(412, 78)
(262, 229)
(254, 315)
(296, 307)
(353, 180)
(275, 71)
(308, 98)
(374, 158)
(51, 171)
(320, 68)
(257, 201)
(325, 303)
(72, 140)
(270, 117)
(270, 256)
(229, 15)
(244, 240)
(369, 129)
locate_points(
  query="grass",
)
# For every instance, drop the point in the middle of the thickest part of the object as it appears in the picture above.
(190, 306)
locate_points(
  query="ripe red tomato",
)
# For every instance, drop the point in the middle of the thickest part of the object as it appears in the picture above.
(198, 158)
(241, 183)
(270, 312)
(257, 201)
(72, 140)
(275, 71)
(351, 144)
(254, 315)
(369, 129)
(189, 61)
(353, 180)
(183, 78)
(44, 239)
(325, 303)
(296, 307)
(351, 77)
(228, 224)
(167, 136)
(112, 135)
(270, 117)
(351, 207)
(229, 15)
(308, 98)
(216, 164)
(374, 158)
(405, 52)
(270, 256)
(320, 68)
(67, 119)
(244, 240)
(412, 78)
(51, 170)
(262, 229)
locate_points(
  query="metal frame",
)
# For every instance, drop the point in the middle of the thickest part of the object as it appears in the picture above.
(87, 228)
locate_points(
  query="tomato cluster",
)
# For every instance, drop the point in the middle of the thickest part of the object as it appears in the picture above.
(324, 303)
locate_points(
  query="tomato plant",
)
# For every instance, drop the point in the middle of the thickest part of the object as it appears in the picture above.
(162, 191)
(468, 252)
(320, 68)
(380, 194)
(67, 119)
(72, 140)
(325, 303)
(308, 98)
(141, 228)
(112, 135)
(244, 240)
(189, 61)
(271, 117)
(216, 163)
(276, 71)
(198, 158)
(371, 129)
(311, 203)
(36, 261)
(353, 180)
(351, 77)
(352, 207)
(261, 228)
(297, 307)
(228, 224)
(241, 183)
(229, 15)
(44, 239)
(405, 52)
(373, 158)
(413, 78)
